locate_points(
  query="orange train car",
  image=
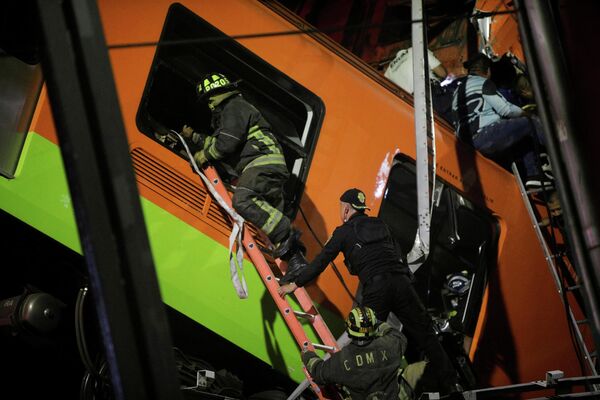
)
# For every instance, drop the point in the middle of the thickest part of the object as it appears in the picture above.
(342, 124)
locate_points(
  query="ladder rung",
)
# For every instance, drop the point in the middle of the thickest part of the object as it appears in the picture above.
(533, 191)
(324, 347)
(574, 287)
(540, 190)
(582, 321)
(304, 315)
(257, 255)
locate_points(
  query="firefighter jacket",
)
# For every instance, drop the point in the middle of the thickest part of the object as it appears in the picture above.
(368, 249)
(241, 137)
(364, 369)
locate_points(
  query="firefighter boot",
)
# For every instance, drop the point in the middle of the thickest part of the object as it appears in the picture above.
(296, 264)
(287, 245)
(296, 261)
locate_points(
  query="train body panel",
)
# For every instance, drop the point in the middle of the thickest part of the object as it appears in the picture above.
(520, 331)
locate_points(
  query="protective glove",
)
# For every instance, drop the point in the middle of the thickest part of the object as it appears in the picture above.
(187, 132)
(199, 139)
(160, 137)
(200, 158)
(307, 356)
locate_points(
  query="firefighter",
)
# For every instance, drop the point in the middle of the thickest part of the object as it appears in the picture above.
(368, 366)
(370, 252)
(244, 146)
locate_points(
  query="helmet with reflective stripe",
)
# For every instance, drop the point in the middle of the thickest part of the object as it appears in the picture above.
(361, 322)
(215, 83)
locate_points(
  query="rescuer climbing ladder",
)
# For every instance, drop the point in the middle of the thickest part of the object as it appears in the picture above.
(291, 317)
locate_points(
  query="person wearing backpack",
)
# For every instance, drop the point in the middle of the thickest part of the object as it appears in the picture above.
(371, 254)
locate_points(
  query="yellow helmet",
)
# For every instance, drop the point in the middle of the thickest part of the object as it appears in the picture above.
(361, 323)
(215, 83)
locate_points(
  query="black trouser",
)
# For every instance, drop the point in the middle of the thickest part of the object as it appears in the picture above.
(394, 292)
(258, 198)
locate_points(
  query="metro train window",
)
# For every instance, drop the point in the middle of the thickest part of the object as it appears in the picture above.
(170, 101)
(462, 247)
(20, 85)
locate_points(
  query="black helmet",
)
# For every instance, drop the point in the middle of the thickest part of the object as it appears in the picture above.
(215, 83)
(361, 322)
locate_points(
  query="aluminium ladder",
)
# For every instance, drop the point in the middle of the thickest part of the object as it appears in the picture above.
(551, 259)
(290, 316)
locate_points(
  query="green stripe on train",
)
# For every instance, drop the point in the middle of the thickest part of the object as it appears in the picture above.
(38, 195)
(193, 269)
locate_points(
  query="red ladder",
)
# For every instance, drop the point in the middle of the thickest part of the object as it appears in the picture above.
(291, 317)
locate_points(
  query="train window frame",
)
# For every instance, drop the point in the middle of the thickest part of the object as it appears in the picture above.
(295, 113)
(21, 84)
(452, 210)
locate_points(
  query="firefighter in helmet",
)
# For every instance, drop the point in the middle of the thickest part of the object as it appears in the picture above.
(368, 366)
(244, 146)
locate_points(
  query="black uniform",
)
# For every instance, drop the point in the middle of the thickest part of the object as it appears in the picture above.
(366, 370)
(370, 253)
(368, 250)
(247, 149)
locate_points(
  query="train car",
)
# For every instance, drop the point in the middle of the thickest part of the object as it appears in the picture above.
(342, 125)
